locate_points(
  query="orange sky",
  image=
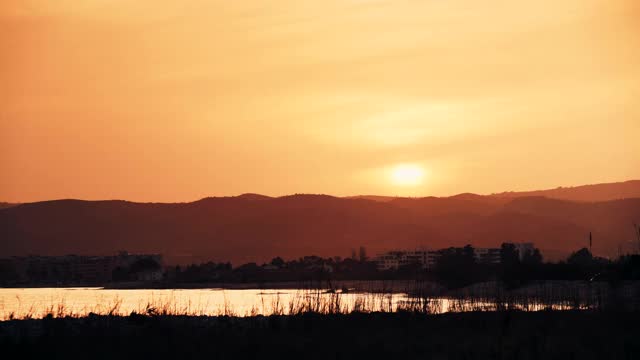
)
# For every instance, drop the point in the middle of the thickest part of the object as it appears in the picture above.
(157, 100)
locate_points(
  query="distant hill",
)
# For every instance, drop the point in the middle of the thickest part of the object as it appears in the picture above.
(597, 192)
(257, 228)
(4, 205)
(249, 196)
(373, 197)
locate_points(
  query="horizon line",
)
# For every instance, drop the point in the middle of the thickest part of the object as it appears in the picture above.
(391, 197)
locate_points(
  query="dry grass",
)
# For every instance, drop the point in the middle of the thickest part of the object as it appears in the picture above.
(486, 297)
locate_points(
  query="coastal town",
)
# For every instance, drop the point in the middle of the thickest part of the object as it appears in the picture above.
(466, 264)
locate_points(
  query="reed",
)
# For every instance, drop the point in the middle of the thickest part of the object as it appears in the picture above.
(489, 297)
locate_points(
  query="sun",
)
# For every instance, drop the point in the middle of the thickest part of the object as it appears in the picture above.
(407, 175)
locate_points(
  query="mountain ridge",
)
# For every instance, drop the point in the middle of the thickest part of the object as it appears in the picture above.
(255, 228)
(584, 193)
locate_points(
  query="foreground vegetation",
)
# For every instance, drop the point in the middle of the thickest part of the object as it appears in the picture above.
(475, 335)
(415, 297)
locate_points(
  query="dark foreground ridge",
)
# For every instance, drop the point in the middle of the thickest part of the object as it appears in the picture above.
(488, 335)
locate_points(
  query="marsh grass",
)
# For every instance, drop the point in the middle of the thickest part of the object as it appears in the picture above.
(478, 298)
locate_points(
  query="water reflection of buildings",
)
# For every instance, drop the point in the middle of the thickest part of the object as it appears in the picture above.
(80, 269)
(427, 259)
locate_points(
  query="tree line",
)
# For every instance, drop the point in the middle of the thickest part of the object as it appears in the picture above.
(455, 267)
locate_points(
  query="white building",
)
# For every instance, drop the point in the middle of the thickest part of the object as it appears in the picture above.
(428, 258)
(397, 258)
(487, 255)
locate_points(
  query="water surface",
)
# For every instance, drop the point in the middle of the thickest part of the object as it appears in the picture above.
(38, 302)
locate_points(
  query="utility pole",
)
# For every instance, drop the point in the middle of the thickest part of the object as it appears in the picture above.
(590, 242)
(619, 251)
(636, 230)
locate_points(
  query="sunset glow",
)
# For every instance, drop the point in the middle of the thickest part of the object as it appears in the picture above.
(314, 178)
(157, 100)
(407, 175)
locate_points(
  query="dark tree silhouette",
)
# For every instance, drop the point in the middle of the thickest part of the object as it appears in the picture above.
(277, 262)
(509, 255)
(456, 267)
(145, 264)
(581, 257)
(532, 257)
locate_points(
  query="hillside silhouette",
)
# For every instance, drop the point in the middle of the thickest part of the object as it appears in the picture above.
(257, 228)
(584, 193)
(4, 205)
(596, 192)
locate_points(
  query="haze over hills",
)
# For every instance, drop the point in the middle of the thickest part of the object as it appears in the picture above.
(594, 192)
(253, 227)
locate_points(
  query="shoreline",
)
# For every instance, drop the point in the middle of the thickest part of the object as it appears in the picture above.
(392, 286)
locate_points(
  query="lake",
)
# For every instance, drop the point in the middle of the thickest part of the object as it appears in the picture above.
(38, 302)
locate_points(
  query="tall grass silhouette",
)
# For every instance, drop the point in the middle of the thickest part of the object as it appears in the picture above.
(419, 299)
